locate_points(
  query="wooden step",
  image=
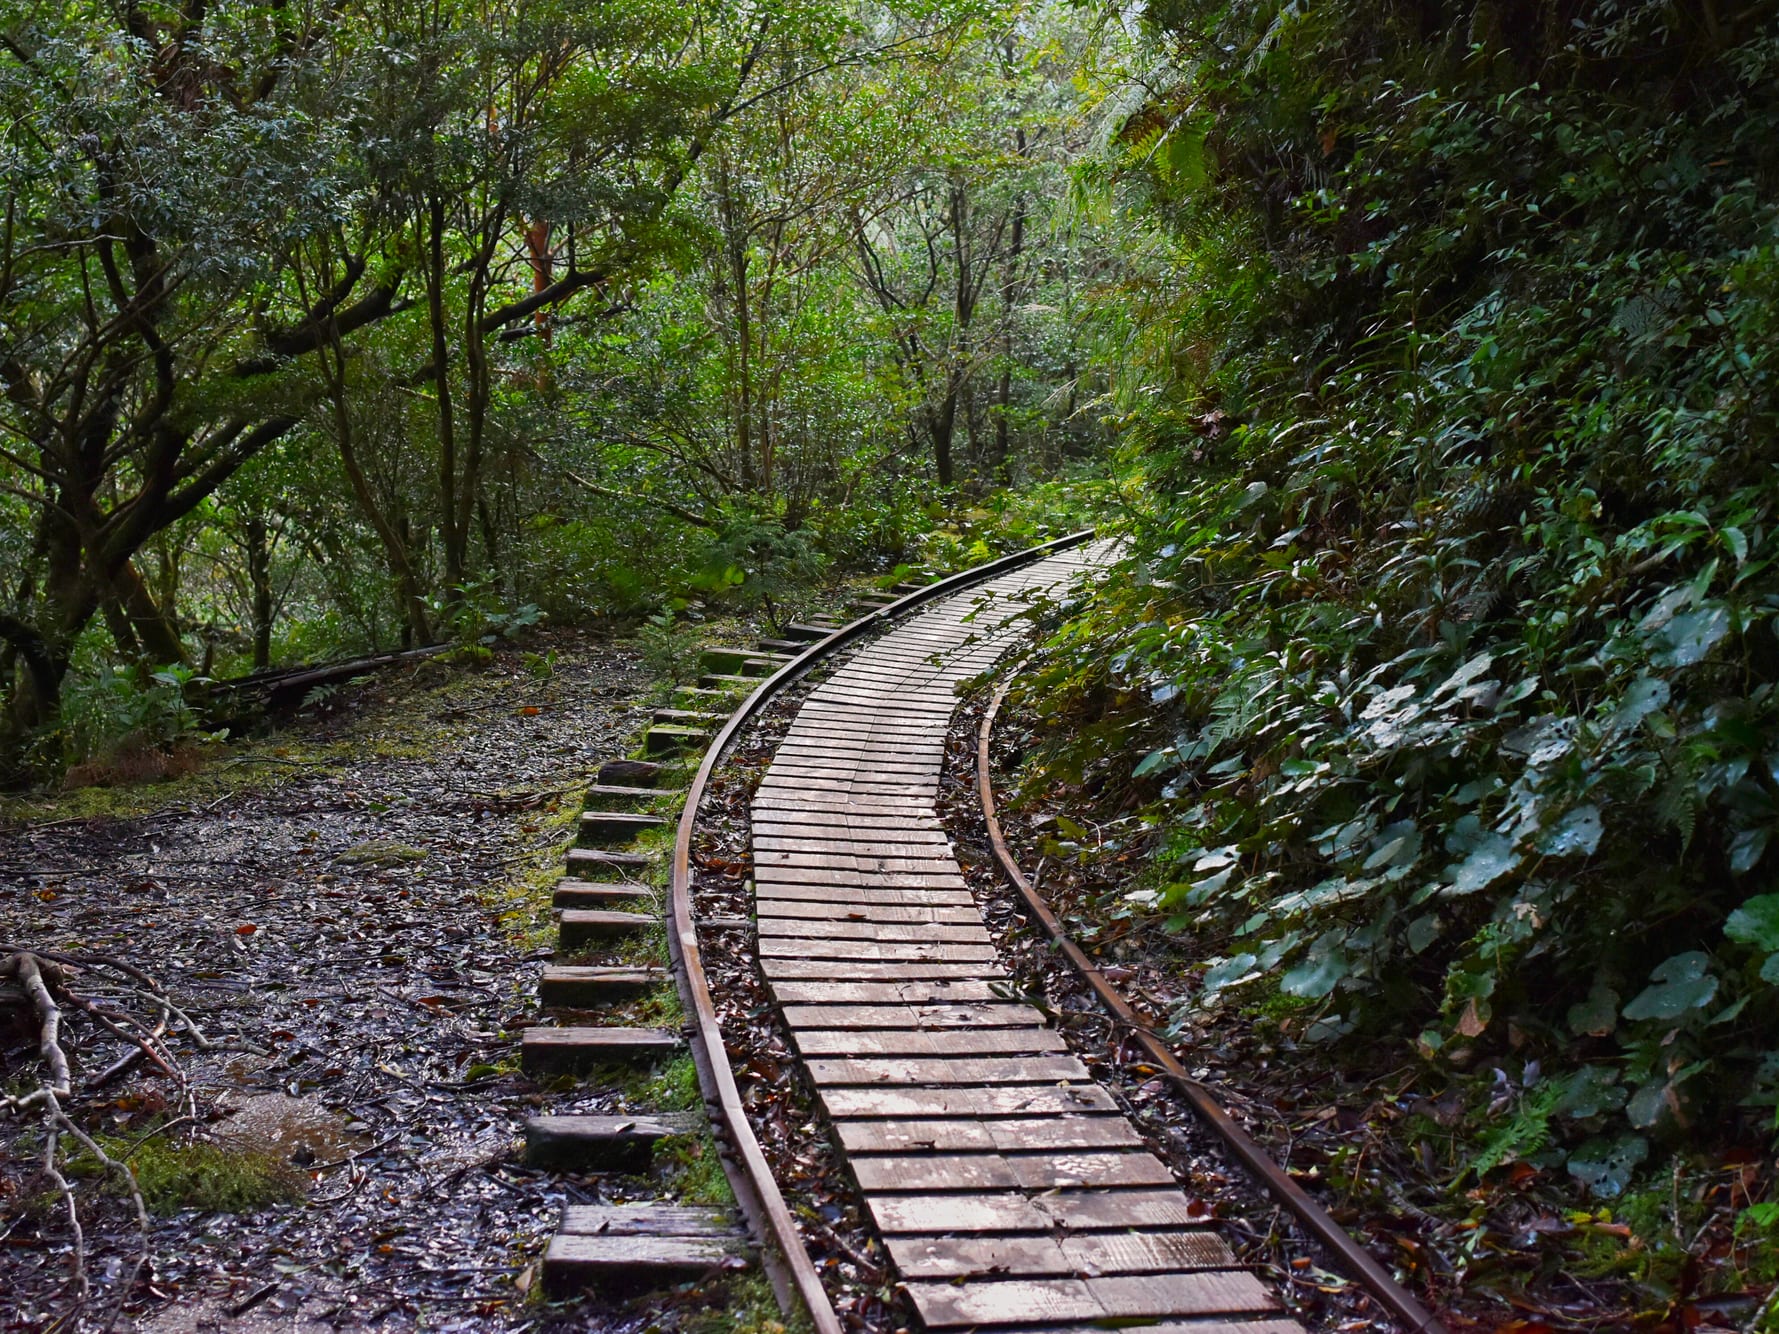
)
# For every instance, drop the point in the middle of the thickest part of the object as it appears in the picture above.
(586, 894)
(571, 1051)
(906, 587)
(613, 797)
(578, 928)
(669, 739)
(808, 632)
(634, 1247)
(639, 773)
(600, 1143)
(603, 864)
(764, 664)
(724, 658)
(792, 647)
(609, 827)
(575, 987)
(686, 717)
(726, 680)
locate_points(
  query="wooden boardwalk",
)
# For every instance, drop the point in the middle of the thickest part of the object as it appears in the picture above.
(1011, 1191)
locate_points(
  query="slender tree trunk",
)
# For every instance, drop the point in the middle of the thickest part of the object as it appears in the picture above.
(441, 367)
(997, 463)
(259, 579)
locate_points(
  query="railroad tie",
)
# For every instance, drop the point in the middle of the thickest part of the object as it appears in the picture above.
(1009, 1188)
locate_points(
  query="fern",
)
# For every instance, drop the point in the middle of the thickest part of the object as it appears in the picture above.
(1526, 1133)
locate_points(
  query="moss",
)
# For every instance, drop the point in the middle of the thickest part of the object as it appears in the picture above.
(675, 1087)
(208, 1177)
(693, 1169)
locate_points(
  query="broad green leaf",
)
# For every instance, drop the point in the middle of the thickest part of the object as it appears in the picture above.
(1689, 636)
(1756, 922)
(1577, 834)
(1677, 985)
(1746, 847)
(1597, 1015)
(1491, 858)
(1605, 1166)
(1228, 972)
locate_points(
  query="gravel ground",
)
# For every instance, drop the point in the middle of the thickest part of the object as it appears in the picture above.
(358, 930)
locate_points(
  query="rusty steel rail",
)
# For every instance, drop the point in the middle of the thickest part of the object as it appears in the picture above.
(793, 1274)
(1315, 1220)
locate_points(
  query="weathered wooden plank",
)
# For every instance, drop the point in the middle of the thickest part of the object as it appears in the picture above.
(555, 1051)
(1020, 1171)
(649, 1220)
(866, 970)
(941, 991)
(572, 987)
(1012, 1212)
(581, 1143)
(1210, 1326)
(927, 1042)
(991, 1103)
(1080, 1255)
(582, 894)
(819, 875)
(852, 836)
(579, 927)
(770, 897)
(631, 1264)
(868, 1070)
(828, 929)
(1208, 1292)
(984, 1134)
(799, 947)
(890, 913)
(954, 1015)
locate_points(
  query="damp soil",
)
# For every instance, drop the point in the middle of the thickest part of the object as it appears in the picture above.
(358, 928)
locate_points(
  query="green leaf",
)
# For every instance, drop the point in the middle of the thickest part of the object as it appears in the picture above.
(1491, 858)
(1597, 1015)
(1756, 922)
(1320, 973)
(1229, 972)
(1746, 847)
(1577, 834)
(1605, 1166)
(1677, 985)
(1689, 636)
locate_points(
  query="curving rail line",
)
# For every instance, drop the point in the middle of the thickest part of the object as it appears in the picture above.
(1010, 1190)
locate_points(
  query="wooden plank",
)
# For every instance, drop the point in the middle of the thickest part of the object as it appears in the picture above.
(600, 1143)
(1080, 1255)
(820, 929)
(927, 1042)
(843, 880)
(988, 1134)
(578, 927)
(1001, 1105)
(863, 864)
(577, 988)
(851, 836)
(776, 898)
(929, 1070)
(1020, 1171)
(629, 1264)
(581, 894)
(649, 1220)
(799, 947)
(866, 970)
(830, 911)
(1013, 1212)
(941, 992)
(1011, 1014)
(1208, 1292)
(554, 1051)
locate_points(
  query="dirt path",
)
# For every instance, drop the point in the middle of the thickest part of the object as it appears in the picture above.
(362, 919)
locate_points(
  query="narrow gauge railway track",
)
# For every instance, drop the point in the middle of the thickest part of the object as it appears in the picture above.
(1010, 1191)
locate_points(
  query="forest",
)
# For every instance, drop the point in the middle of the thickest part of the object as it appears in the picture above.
(1420, 357)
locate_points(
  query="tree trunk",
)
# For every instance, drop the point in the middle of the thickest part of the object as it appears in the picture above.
(259, 579)
(441, 369)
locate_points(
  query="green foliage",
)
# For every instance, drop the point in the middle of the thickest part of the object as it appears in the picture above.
(1444, 656)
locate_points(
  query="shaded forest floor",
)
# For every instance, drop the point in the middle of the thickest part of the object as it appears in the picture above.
(357, 908)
